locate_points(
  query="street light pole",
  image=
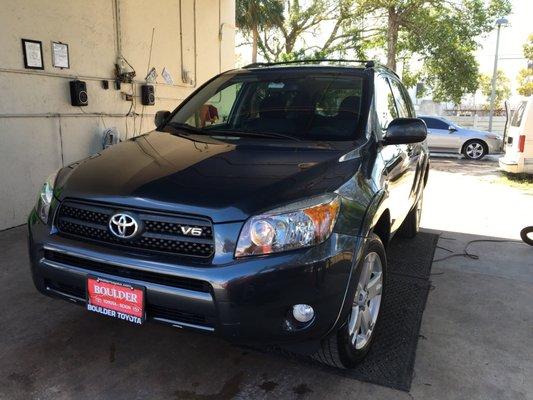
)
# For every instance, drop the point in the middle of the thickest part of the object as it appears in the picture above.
(499, 23)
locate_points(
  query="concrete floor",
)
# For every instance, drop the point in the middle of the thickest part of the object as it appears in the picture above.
(477, 331)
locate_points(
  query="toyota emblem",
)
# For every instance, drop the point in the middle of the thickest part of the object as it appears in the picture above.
(123, 225)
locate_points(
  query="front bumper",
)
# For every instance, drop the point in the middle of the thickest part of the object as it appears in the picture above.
(243, 300)
(495, 145)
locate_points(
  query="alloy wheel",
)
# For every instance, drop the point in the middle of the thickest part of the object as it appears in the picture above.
(474, 150)
(367, 301)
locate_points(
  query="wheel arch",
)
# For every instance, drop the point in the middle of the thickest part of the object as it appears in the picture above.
(378, 218)
(382, 227)
(426, 174)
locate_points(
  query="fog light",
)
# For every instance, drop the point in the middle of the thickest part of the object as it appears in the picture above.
(303, 312)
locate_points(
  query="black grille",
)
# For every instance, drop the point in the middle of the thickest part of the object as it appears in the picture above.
(160, 232)
(152, 310)
(71, 290)
(175, 315)
(146, 276)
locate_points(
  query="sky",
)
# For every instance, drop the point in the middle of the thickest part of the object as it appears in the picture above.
(510, 59)
(512, 38)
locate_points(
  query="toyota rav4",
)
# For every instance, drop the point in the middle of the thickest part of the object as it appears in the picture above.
(259, 210)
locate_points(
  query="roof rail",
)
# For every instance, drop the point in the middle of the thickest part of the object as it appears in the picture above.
(367, 63)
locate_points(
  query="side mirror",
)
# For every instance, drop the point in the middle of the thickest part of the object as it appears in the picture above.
(160, 117)
(452, 129)
(405, 130)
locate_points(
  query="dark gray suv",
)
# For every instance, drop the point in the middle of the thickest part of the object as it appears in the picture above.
(260, 210)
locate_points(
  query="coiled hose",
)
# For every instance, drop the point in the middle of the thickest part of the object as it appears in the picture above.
(524, 234)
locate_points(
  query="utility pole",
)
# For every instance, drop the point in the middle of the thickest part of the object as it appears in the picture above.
(499, 23)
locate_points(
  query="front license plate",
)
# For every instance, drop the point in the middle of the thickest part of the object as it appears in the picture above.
(115, 299)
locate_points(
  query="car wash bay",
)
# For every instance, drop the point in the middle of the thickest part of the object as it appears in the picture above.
(475, 339)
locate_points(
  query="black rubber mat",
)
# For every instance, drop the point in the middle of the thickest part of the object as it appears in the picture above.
(412, 257)
(391, 359)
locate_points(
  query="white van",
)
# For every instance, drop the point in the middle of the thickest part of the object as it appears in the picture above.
(518, 156)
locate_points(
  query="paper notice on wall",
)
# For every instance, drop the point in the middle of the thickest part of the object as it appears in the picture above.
(167, 77)
(60, 55)
(152, 75)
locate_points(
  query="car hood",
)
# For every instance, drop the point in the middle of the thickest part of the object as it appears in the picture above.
(226, 179)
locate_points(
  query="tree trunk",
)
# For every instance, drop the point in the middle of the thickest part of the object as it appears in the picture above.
(255, 38)
(290, 41)
(393, 26)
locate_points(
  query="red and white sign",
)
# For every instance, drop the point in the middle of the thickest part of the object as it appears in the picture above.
(115, 299)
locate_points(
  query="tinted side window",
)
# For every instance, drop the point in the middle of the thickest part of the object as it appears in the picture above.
(433, 123)
(430, 122)
(384, 101)
(441, 124)
(517, 115)
(402, 102)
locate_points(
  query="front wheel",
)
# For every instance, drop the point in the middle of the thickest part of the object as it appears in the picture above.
(346, 347)
(475, 150)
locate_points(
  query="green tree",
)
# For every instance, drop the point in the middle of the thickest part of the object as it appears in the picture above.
(338, 22)
(525, 82)
(441, 34)
(528, 48)
(252, 16)
(525, 76)
(503, 88)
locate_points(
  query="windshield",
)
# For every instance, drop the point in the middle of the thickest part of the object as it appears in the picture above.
(285, 104)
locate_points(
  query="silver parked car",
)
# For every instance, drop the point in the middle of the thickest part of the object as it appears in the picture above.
(448, 137)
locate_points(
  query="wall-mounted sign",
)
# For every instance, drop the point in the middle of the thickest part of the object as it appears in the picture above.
(33, 54)
(167, 77)
(60, 55)
(151, 76)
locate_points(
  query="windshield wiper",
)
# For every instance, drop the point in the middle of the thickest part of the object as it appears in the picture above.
(252, 133)
(187, 128)
(212, 132)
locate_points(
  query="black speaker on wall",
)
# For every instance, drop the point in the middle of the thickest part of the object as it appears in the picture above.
(147, 95)
(78, 93)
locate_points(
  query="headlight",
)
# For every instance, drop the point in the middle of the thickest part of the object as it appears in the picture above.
(300, 224)
(45, 198)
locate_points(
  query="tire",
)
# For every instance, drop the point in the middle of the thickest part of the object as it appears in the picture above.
(347, 346)
(475, 149)
(411, 225)
(524, 234)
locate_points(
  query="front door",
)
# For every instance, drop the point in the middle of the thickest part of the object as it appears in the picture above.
(396, 158)
(440, 136)
(412, 152)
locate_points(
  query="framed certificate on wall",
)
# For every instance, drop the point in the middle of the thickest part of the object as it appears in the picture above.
(33, 54)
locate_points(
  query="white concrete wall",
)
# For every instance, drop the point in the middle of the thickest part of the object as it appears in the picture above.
(40, 131)
(481, 123)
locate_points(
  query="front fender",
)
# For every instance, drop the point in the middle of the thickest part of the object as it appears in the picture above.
(377, 207)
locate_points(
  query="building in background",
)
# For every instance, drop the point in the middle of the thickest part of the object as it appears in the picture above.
(185, 41)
